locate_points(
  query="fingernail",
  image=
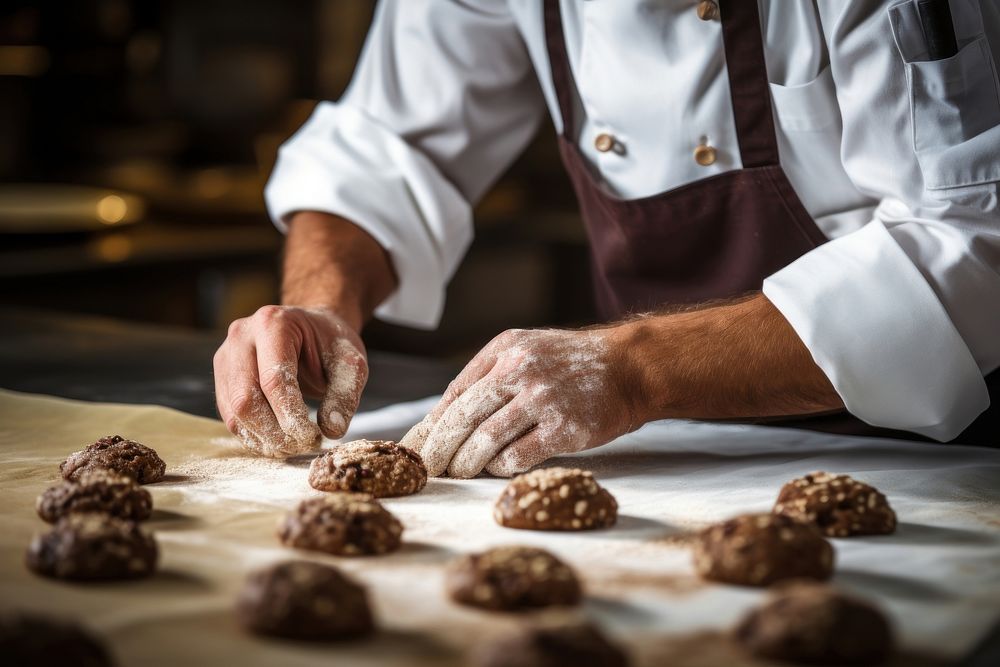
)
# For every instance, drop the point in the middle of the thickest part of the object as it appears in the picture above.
(337, 422)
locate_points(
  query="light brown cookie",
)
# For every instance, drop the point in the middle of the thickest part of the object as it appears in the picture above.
(93, 547)
(512, 578)
(97, 491)
(344, 524)
(838, 505)
(555, 499)
(760, 549)
(113, 452)
(550, 644)
(381, 468)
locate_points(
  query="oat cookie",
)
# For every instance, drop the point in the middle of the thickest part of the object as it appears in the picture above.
(838, 505)
(97, 491)
(512, 578)
(555, 499)
(30, 640)
(93, 547)
(113, 452)
(343, 524)
(379, 467)
(550, 644)
(304, 600)
(760, 549)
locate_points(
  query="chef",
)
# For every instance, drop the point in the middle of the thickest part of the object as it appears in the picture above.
(792, 209)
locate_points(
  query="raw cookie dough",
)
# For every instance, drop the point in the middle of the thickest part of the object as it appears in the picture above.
(93, 547)
(837, 504)
(303, 600)
(760, 549)
(343, 524)
(550, 645)
(28, 640)
(555, 499)
(98, 491)
(114, 452)
(512, 578)
(808, 623)
(381, 468)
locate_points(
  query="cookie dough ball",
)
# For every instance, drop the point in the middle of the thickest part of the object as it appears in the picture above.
(113, 452)
(838, 505)
(343, 524)
(28, 640)
(760, 549)
(93, 547)
(813, 624)
(381, 468)
(303, 600)
(97, 491)
(551, 645)
(555, 499)
(512, 578)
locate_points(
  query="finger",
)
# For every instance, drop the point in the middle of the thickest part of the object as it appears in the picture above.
(499, 430)
(221, 385)
(346, 374)
(521, 455)
(277, 365)
(458, 422)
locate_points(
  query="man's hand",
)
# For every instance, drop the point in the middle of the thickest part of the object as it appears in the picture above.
(273, 358)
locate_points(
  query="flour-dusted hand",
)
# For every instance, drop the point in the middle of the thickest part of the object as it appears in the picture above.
(527, 396)
(270, 360)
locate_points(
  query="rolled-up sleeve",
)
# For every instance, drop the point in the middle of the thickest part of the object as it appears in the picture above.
(903, 315)
(443, 98)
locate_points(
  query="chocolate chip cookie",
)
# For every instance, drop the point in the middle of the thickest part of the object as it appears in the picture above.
(113, 452)
(30, 640)
(93, 547)
(381, 468)
(97, 491)
(512, 578)
(550, 644)
(555, 499)
(344, 524)
(838, 505)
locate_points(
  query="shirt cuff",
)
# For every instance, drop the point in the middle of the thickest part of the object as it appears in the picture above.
(878, 331)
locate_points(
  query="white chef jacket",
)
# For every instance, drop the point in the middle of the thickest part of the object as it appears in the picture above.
(894, 156)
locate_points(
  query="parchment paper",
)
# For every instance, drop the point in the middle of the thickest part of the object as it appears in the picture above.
(938, 577)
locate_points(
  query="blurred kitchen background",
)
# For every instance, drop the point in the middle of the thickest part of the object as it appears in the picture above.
(135, 140)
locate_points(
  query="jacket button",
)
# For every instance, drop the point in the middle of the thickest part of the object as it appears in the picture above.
(708, 10)
(704, 155)
(604, 142)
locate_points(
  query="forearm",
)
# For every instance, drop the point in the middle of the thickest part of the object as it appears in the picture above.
(331, 263)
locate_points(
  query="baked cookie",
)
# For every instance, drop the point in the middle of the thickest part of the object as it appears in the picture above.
(512, 578)
(98, 491)
(838, 505)
(343, 524)
(809, 623)
(550, 644)
(555, 499)
(760, 549)
(303, 600)
(28, 640)
(93, 547)
(381, 468)
(116, 453)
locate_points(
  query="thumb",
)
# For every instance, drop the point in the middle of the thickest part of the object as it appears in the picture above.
(346, 374)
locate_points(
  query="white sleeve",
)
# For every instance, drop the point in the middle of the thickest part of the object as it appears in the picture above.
(903, 315)
(442, 100)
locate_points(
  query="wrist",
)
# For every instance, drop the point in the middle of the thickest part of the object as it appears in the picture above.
(641, 354)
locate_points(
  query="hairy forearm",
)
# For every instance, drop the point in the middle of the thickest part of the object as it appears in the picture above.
(736, 360)
(331, 263)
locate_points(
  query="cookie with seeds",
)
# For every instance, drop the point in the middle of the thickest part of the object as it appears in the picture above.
(304, 600)
(31, 640)
(808, 623)
(760, 549)
(379, 467)
(343, 524)
(93, 547)
(97, 491)
(554, 643)
(555, 499)
(839, 505)
(512, 578)
(121, 455)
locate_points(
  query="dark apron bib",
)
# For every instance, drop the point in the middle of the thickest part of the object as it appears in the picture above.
(715, 238)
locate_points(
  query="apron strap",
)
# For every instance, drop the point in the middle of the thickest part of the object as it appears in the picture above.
(562, 79)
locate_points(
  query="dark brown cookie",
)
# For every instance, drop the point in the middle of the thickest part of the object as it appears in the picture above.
(808, 623)
(116, 453)
(838, 505)
(555, 499)
(303, 600)
(344, 524)
(93, 547)
(547, 644)
(760, 549)
(29, 640)
(97, 491)
(512, 578)
(381, 468)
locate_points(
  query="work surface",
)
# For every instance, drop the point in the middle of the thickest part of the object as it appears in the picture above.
(938, 576)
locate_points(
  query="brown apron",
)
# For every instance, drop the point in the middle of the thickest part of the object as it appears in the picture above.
(715, 238)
